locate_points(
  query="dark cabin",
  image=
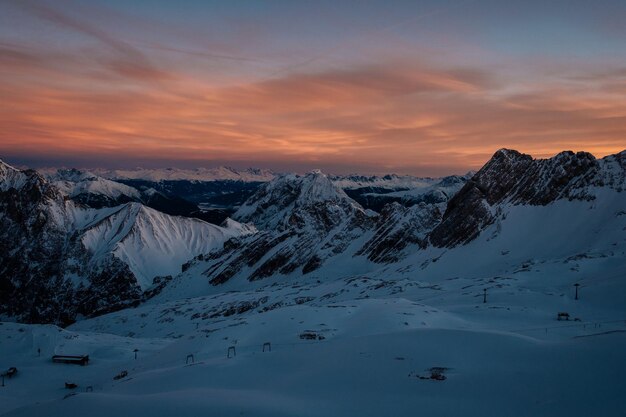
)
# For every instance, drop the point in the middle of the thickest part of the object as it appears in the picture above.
(71, 359)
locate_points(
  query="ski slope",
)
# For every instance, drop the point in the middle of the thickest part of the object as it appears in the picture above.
(347, 347)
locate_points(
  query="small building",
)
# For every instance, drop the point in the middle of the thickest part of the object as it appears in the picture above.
(71, 359)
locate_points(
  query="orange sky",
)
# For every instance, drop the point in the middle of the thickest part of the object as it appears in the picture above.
(386, 111)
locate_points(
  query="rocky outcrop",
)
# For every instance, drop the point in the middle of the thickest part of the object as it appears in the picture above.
(304, 220)
(60, 260)
(511, 177)
(398, 227)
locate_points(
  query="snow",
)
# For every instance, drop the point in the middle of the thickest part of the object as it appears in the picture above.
(271, 204)
(391, 181)
(152, 243)
(353, 337)
(240, 229)
(381, 330)
(368, 364)
(74, 182)
(11, 177)
(196, 174)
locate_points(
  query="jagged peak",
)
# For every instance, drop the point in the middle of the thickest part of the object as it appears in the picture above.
(278, 199)
(316, 187)
(619, 157)
(509, 155)
(72, 174)
(242, 228)
(11, 177)
(4, 165)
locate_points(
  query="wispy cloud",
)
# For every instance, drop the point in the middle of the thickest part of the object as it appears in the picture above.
(395, 116)
(412, 113)
(127, 61)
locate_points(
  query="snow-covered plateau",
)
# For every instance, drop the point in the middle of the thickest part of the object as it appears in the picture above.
(505, 298)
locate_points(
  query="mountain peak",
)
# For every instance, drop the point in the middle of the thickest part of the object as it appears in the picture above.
(509, 155)
(276, 200)
(317, 187)
(11, 177)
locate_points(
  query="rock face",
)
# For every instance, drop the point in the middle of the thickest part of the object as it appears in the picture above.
(398, 227)
(306, 221)
(86, 188)
(303, 221)
(376, 192)
(35, 249)
(293, 201)
(59, 260)
(514, 178)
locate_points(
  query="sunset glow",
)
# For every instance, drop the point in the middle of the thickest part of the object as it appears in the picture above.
(416, 88)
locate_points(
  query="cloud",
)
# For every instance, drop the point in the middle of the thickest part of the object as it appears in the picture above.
(400, 115)
(12, 57)
(127, 62)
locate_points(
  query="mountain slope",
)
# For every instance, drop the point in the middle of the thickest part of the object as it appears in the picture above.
(512, 178)
(374, 192)
(79, 185)
(152, 243)
(303, 221)
(60, 259)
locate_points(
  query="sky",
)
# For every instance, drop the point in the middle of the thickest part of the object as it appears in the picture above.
(416, 87)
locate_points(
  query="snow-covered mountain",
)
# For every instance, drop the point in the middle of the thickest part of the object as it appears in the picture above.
(389, 181)
(214, 194)
(512, 178)
(152, 243)
(341, 310)
(308, 227)
(297, 201)
(375, 192)
(85, 186)
(60, 259)
(303, 220)
(195, 174)
(91, 190)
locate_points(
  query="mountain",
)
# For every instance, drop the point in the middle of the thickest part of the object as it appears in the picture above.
(399, 227)
(213, 200)
(152, 243)
(195, 174)
(302, 221)
(297, 201)
(60, 259)
(213, 195)
(374, 192)
(513, 178)
(389, 181)
(307, 227)
(310, 227)
(90, 189)
(527, 261)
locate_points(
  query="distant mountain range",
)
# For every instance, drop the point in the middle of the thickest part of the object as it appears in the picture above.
(196, 174)
(216, 193)
(76, 244)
